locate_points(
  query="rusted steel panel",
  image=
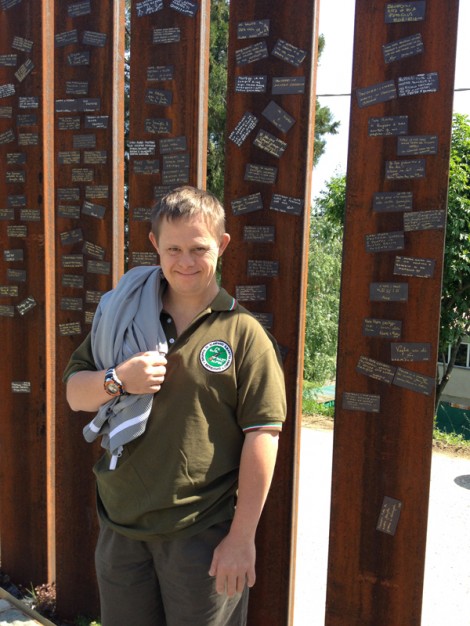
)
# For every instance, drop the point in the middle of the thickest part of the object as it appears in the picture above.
(269, 150)
(88, 56)
(23, 478)
(168, 110)
(403, 75)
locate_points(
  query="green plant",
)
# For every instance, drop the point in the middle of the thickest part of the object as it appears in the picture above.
(85, 621)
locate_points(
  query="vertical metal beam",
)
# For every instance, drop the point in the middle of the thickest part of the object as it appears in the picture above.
(23, 428)
(403, 76)
(269, 151)
(89, 216)
(50, 279)
(168, 110)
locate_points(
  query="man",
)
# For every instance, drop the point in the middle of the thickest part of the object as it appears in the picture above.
(190, 398)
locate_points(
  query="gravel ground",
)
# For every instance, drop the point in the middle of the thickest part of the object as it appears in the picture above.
(446, 599)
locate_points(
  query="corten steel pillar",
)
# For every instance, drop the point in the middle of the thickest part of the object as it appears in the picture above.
(403, 77)
(168, 109)
(269, 153)
(23, 223)
(88, 51)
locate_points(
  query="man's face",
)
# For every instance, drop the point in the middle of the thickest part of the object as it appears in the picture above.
(188, 256)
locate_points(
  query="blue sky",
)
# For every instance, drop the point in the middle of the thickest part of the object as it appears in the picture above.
(334, 77)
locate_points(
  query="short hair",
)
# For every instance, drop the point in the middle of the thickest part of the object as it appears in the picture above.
(185, 203)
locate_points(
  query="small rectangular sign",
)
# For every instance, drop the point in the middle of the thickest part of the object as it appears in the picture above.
(288, 52)
(147, 7)
(158, 126)
(173, 144)
(262, 268)
(369, 403)
(79, 8)
(66, 39)
(247, 204)
(413, 145)
(278, 117)
(388, 126)
(75, 59)
(260, 173)
(250, 293)
(414, 381)
(288, 85)
(244, 127)
(385, 242)
(405, 169)
(166, 35)
(376, 369)
(410, 351)
(162, 97)
(393, 201)
(160, 72)
(414, 266)
(90, 38)
(380, 92)
(418, 84)
(93, 210)
(398, 12)
(270, 143)
(253, 29)
(424, 220)
(389, 515)
(403, 48)
(186, 7)
(259, 234)
(388, 292)
(286, 204)
(250, 54)
(251, 84)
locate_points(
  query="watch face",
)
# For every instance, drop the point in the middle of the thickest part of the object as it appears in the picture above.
(112, 387)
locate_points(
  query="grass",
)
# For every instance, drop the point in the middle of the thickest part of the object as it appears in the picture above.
(451, 439)
(443, 439)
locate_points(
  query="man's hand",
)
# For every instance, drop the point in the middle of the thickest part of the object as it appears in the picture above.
(233, 565)
(143, 373)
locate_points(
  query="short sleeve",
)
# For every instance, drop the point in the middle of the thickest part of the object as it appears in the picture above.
(81, 359)
(260, 382)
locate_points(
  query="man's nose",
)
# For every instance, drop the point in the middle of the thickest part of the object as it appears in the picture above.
(186, 259)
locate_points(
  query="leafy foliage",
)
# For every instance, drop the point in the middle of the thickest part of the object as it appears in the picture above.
(322, 308)
(455, 303)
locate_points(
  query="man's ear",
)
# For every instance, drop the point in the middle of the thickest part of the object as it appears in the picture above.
(153, 241)
(224, 243)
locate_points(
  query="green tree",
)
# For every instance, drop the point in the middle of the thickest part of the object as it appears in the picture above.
(455, 299)
(324, 123)
(324, 275)
(217, 96)
(455, 302)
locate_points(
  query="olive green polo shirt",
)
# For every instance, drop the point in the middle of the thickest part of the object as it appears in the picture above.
(223, 378)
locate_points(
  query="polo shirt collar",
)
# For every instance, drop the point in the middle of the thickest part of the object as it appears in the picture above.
(223, 301)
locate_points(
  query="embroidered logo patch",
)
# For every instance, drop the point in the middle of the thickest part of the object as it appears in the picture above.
(216, 356)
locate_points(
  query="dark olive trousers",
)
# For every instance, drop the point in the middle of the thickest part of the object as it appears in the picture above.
(163, 583)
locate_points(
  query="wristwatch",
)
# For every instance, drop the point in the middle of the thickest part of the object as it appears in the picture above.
(112, 385)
